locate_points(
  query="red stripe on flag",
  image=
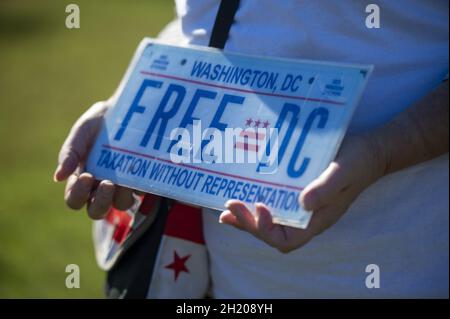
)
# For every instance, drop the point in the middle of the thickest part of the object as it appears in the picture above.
(250, 134)
(148, 204)
(185, 222)
(246, 146)
(121, 222)
(114, 215)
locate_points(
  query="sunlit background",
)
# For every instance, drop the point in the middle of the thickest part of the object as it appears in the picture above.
(48, 76)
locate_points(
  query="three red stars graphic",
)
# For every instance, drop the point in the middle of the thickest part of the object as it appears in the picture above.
(178, 265)
(248, 122)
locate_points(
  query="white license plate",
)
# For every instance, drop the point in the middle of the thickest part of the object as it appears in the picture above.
(203, 126)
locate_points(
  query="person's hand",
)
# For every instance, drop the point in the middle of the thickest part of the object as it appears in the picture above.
(360, 163)
(81, 187)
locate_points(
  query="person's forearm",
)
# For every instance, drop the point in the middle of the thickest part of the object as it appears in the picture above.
(418, 134)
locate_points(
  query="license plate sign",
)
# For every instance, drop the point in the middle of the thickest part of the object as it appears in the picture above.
(204, 126)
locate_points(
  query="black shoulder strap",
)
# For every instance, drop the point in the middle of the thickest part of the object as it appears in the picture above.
(222, 25)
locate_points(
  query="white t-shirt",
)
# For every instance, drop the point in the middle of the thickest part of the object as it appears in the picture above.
(401, 222)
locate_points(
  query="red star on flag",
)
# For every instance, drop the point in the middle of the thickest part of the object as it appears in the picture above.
(257, 123)
(248, 122)
(178, 265)
(266, 124)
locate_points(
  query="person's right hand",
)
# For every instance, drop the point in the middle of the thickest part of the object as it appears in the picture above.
(81, 187)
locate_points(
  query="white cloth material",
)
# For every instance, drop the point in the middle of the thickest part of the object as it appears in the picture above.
(401, 222)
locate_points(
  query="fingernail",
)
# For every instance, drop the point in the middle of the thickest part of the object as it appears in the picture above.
(55, 179)
(228, 203)
(86, 175)
(108, 186)
(85, 180)
(221, 216)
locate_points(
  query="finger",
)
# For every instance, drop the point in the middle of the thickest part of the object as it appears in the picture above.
(296, 238)
(273, 234)
(228, 218)
(72, 154)
(67, 166)
(243, 215)
(102, 200)
(123, 198)
(325, 188)
(284, 238)
(76, 147)
(264, 220)
(78, 189)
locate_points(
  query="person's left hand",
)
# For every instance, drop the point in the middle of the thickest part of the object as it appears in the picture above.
(359, 163)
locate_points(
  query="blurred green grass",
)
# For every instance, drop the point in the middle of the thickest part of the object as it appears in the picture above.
(48, 76)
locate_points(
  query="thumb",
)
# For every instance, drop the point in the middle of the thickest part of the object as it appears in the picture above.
(324, 189)
(72, 153)
(70, 160)
(76, 147)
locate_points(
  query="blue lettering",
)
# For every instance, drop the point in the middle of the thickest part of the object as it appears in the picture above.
(163, 115)
(135, 107)
(322, 113)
